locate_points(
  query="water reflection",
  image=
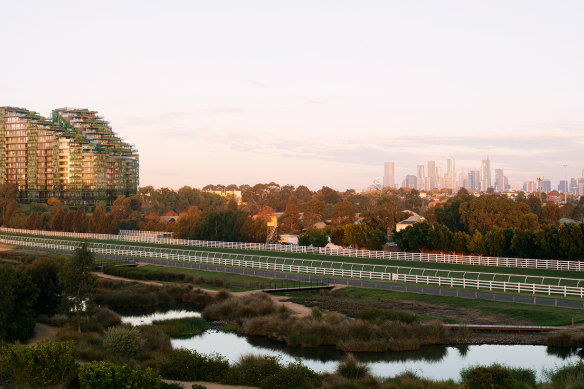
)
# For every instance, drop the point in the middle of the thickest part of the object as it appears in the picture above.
(137, 320)
(437, 362)
(431, 362)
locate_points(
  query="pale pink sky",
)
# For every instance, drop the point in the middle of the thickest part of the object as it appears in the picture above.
(310, 92)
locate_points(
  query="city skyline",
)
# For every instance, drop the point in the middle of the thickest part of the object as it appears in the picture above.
(310, 95)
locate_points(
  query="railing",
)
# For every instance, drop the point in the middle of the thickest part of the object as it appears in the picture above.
(306, 266)
(145, 237)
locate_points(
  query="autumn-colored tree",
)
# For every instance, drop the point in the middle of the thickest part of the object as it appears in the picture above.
(313, 213)
(550, 214)
(289, 222)
(343, 214)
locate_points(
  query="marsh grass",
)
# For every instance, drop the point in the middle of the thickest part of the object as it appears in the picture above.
(231, 308)
(345, 333)
(183, 327)
(566, 339)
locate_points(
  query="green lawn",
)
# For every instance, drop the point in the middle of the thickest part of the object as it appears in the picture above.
(373, 264)
(534, 314)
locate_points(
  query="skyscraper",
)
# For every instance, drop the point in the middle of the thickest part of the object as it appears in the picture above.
(499, 180)
(388, 175)
(474, 183)
(485, 175)
(450, 175)
(410, 181)
(432, 178)
(421, 177)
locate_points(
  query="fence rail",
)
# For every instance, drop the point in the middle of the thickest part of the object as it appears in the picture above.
(148, 237)
(306, 266)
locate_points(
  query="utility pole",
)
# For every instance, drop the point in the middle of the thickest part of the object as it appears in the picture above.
(539, 179)
(565, 185)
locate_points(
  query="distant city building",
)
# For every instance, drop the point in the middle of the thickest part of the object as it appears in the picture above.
(546, 186)
(474, 181)
(421, 177)
(388, 175)
(410, 181)
(432, 176)
(76, 157)
(450, 179)
(563, 186)
(485, 182)
(530, 186)
(501, 182)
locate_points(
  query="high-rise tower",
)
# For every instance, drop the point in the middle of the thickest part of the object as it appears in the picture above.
(388, 175)
(485, 174)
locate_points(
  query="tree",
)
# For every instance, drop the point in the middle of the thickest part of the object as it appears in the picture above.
(8, 193)
(77, 282)
(343, 214)
(313, 213)
(550, 214)
(18, 296)
(44, 273)
(289, 222)
(476, 244)
(58, 219)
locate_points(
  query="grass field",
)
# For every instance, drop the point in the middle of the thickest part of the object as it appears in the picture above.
(468, 272)
(367, 264)
(533, 314)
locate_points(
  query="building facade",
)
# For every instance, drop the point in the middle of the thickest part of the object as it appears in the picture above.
(75, 156)
(388, 175)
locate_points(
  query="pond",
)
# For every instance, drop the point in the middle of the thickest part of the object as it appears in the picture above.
(435, 362)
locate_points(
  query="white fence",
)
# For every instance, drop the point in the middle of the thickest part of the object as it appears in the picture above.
(147, 237)
(291, 265)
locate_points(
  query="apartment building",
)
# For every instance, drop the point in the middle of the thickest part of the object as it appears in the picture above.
(75, 156)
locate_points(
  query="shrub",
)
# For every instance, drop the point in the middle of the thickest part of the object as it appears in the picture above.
(571, 375)
(293, 376)
(187, 365)
(350, 368)
(155, 339)
(123, 341)
(106, 375)
(107, 318)
(182, 328)
(497, 377)
(316, 313)
(252, 370)
(44, 365)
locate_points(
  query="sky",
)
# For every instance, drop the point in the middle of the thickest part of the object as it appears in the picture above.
(310, 92)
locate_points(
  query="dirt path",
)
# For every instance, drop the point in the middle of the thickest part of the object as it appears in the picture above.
(209, 385)
(41, 332)
(296, 309)
(116, 278)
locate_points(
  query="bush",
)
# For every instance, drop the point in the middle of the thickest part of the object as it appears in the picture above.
(252, 370)
(155, 339)
(122, 341)
(106, 375)
(497, 377)
(44, 365)
(571, 375)
(187, 365)
(107, 318)
(182, 328)
(350, 368)
(293, 376)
